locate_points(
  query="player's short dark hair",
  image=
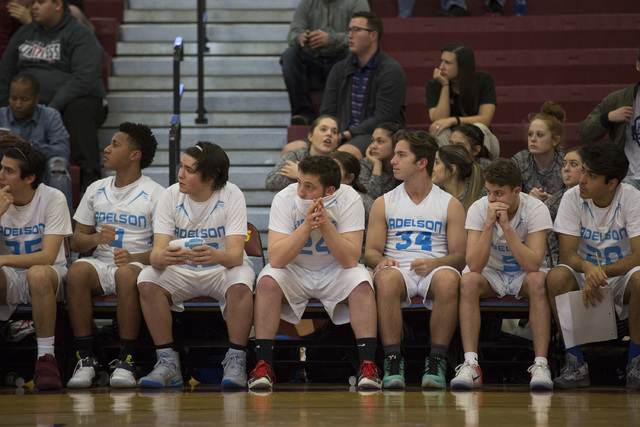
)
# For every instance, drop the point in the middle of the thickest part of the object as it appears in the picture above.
(211, 162)
(423, 145)
(30, 160)
(503, 172)
(605, 159)
(141, 138)
(323, 167)
(29, 80)
(373, 22)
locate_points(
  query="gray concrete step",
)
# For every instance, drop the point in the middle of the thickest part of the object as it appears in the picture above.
(131, 48)
(212, 4)
(213, 15)
(244, 83)
(214, 101)
(224, 66)
(272, 139)
(256, 120)
(215, 32)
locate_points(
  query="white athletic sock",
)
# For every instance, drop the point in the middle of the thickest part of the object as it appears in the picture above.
(541, 360)
(471, 357)
(45, 345)
(234, 351)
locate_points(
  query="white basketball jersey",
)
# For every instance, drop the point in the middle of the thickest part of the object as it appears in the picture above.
(416, 231)
(344, 208)
(224, 214)
(23, 227)
(605, 231)
(130, 210)
(532, 216)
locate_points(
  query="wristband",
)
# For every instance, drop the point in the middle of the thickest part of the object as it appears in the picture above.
(458, 119)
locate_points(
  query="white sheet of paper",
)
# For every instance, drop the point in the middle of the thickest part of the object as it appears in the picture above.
(582, 325)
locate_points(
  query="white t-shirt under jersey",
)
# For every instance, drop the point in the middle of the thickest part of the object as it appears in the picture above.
(532, 216)
(224, 214)
(416, 231)
(344, 208)
(23, 227)
(605, 231)
(129, 209)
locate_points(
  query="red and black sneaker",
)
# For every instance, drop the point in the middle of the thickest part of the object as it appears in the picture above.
(46, 375)
(369, 376)
(262, 376)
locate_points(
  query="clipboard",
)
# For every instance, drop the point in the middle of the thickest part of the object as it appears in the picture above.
(582, 325)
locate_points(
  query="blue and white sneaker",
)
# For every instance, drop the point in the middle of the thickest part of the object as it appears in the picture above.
(166, 372)
(235, 370)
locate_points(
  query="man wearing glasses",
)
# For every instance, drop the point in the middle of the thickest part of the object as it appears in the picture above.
(317, 40)
(366, 88)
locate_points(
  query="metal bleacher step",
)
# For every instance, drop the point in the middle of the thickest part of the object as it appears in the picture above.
(230, 66)
(143, 83)
(215, 48)
(219, 101)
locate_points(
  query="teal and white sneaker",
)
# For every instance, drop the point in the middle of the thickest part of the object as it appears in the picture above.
(434, 371)
(393, 372)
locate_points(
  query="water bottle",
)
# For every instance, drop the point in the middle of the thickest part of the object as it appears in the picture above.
(14, 380)
(519, 7)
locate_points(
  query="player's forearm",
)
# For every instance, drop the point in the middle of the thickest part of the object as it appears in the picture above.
(455, 260)
(342, 249)
(528, 259)
(230, 258)
(142, 257)
(478, 252)
(622, 266)
(286, 250)
(372, 257)
(81, 242)
(28, 260)
(157, 260)
(575, 261)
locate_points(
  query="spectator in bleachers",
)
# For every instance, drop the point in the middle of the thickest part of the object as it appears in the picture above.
(457, 93)
(323, 140)
(473, 138)
(376, 172)
(35, 220)
(541, 162)
(41, 126)
(365, 89)
(67, 60)
(452, 8)
(315, 242)
(317, 40)
(115, 220)
(199, 230)
(571, 171)
(599, 233)
(619, 116)
(506, 244)
(350, 171)
(13, 14)
(415, 246)
(458, 175)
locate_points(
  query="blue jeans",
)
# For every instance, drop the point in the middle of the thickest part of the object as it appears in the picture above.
(58, 175)
(302, 72)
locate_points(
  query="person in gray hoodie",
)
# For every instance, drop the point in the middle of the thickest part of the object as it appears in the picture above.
(67, 60)
(317, 40)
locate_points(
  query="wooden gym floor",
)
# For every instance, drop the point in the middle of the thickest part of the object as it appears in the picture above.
(321, 404)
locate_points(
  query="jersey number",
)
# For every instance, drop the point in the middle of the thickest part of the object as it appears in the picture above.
(510, 264)
(320, 247)
(423, 240)
(605, 258)
(117, 243)
(214, 246)
(29, 246)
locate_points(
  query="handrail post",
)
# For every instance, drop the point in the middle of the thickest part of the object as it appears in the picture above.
(175, 131)
(202, 39)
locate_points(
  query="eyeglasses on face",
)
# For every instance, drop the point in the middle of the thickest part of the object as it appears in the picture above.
(356, 30)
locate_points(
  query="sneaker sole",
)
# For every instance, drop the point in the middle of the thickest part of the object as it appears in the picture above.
(260, 385)
(430, 383)
(565, 386)
(369, 385)
(396, 383)
(79, 385)
(463, 385)
(540, 386)
(232, 384)
(155, 384)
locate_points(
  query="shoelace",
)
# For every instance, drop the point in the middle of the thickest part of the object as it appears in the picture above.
(369, 369)
(394, 365)
(434, 366)
(233, 360)
(263, 370)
